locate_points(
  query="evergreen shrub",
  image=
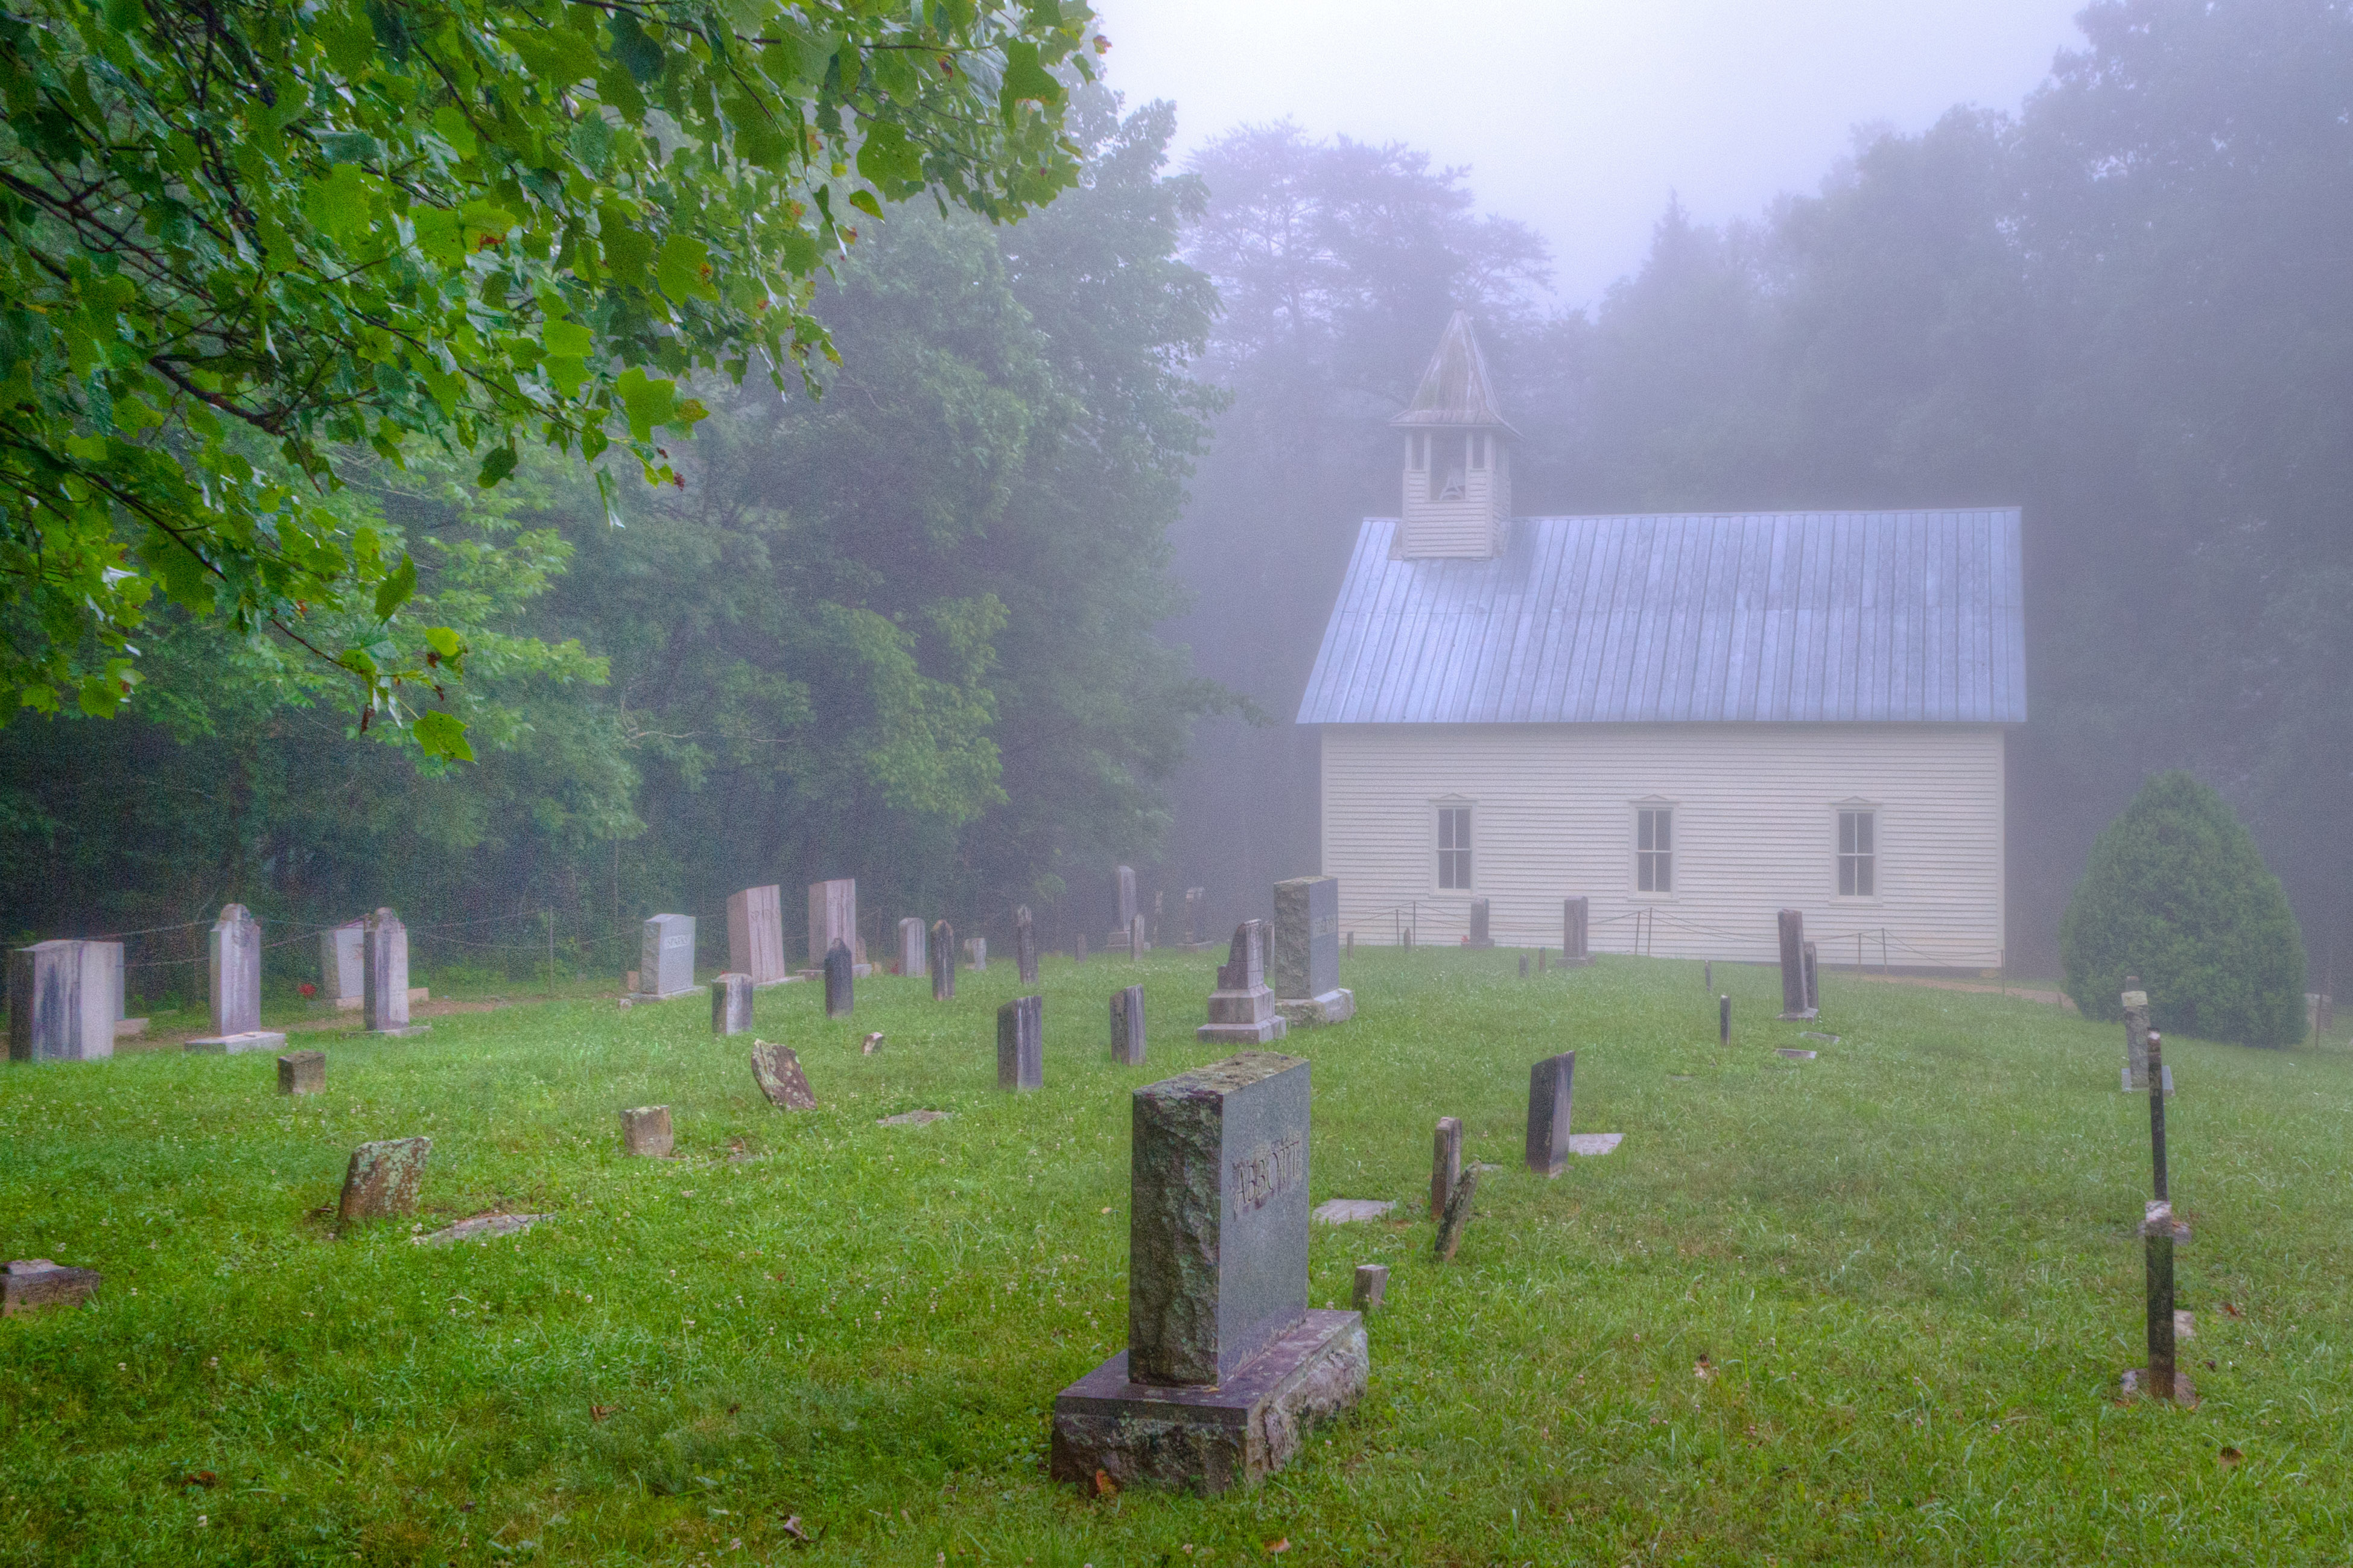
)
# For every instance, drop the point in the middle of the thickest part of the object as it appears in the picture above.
(2177, 894)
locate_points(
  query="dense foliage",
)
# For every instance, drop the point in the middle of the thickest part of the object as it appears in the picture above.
(897, 631)
(238, 243)
(2123, 308)
(2178, 895)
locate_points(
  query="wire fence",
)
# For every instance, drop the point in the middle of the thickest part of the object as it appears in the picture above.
(1656, 931)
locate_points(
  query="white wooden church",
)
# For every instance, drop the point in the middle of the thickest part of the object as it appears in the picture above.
(1693, 720)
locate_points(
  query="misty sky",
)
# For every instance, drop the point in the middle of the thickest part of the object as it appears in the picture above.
(1578, 117)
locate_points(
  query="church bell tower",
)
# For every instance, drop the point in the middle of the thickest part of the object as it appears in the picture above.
(1458, 465)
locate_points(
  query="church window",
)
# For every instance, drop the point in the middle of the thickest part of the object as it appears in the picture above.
(1454, 847)
(1858, 853)
(1654, 850)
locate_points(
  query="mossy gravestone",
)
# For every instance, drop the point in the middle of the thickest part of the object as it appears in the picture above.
(2175, 893)
(1226, 1367)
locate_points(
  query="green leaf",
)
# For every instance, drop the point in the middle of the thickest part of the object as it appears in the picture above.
(680, 271)
(888, 159)
(646, 401)
(497, 466)
(638, 54)
(864, 201)
(1025, 77)
(350, 147)
(395, 590)
(443, 735)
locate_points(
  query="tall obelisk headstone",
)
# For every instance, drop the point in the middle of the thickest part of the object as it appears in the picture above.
(233, 967)
(1226, 1368)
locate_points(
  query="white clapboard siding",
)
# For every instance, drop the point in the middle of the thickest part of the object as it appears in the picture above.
(1755, 831)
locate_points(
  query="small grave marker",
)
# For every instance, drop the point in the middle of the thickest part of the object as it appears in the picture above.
(1128, 1035)
(1372, 1284)
(302, 1072)
(646, 1132)
(1445, 1164)
(382, 1180)
(1574, 954)
(1550, 1090)
(840, 984)
(1349, 1211)
(1025, 946)
(731, 1005)
(1794, 1007)
(777, 1071)
(1480, 936)
(942, 962)
(1457, 1217)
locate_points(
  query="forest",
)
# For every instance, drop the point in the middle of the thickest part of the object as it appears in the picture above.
(1033, 586)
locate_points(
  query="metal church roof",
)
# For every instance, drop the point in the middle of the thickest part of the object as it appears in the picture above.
(1841, 617)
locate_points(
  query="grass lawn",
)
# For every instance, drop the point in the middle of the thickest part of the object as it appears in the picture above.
(1908, 1272)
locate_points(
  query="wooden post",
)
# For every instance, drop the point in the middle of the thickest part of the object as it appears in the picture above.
(2157, 1114)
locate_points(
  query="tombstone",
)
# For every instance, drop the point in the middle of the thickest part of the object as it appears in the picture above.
(731, 1005)
(1445, 1164)
(110, 965)
(1242, 1009)
(911, 964)
(1372, 1284)
(1574, 913)
(1305, 965)
(1479, 924)
(646, 1132)
(975, 954)
(233, 967)
(1813, 982)
(1152, 933)
(840, 985)
(942, 962)
(302, 1072)
(1523, 966)
(1793, 966)
(833, 917)
(384, 976)
(1196, 918)
(381, 1179)
(340, 978)
(1226, 1368)
(1138, 944)
(1025, 945)
(1127, 1039)
(1549, 1094)
(756, 935)
(777, 1071)
(1020, 1045)
(1079, 949)
(1724, 1019)
(1457, 1217)
(666, 958)
(31, 1284)
(1124, 880)
(60, 1004)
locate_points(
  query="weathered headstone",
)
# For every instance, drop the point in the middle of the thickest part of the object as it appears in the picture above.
(777, 1071)
(1025, 945)
(646, 1132)
(840, 985)
(33, 1284)
(731, 1004)
(1138, 944)
(1724, 1019)
(60, 1004)
(1305, 967)
(833, 917)
(1457, 1217)
(339, 962)
(382, 1180)
(1445, 1163)
(384, 976)
(912, 964)
(1523, 966)
(1127, 1040)
(1372, 1284)
(942, 962)
(756, 935)
(2135, 1006)
(1154, 933)
(110, 963)
(233, 967)
(1124, 893)
(1021, 1044)
(975, 954)
(1226, 1367)
(1813, 982)
(1197, 918)
(1480, 930)
(1792, 923)
(1549, 1098)
(302, 1072)
(666, 958)
(1574, 913)
(1079, 949)
(1242, 1009)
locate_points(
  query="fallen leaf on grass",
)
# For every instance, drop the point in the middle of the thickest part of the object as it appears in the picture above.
(200, 1478)
(1702, 1368)
(2228, 1457)
(598, 1412)
(1274, 1546)
(2232, 1309)
(1104, 1484)
(793, 1528)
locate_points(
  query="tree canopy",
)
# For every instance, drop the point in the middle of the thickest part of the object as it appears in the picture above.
(239, 244)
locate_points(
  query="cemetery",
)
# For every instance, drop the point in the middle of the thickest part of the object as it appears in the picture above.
(1589, 1276)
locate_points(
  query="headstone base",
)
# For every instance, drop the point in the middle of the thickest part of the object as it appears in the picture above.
(233, 1045)
(1804, 1015)
(29, 1284)
(674, 995)
(2138, 1083)
(1585, 1145)
(402, 1032)
(1489, 942)
(1306, 1013)
(1209, 1440)
(1257, 1033)
(1242, 1018)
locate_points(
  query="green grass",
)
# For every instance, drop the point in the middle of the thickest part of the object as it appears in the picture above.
(1910, 1264)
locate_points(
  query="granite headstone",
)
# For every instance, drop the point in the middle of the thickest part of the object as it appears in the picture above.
(1242, 1009)
(1574, 922)
(840, 984)
(731, 1004)
(1480, 931)
(1306, 953)
(833, 917)
(340, 960)
(1549, 1100)
(942, 962)
(666, 957)
(1021, 1044)
(1025, 945)
(756, 935)
(1127, 1041)
(60, 1002)
(384, 976)
(912, 955)
(1792, 924)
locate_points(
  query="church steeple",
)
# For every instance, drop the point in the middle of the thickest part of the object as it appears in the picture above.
(1458, 473)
